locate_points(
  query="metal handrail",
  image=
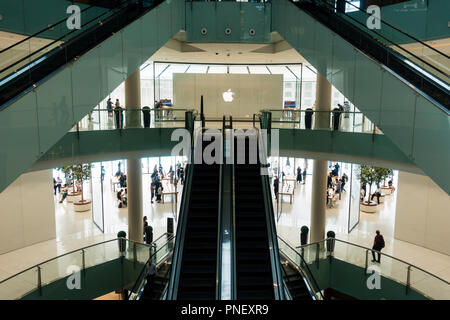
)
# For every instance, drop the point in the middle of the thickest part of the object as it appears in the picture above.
(383, 254)
(271, 229)
(399, 30)
(307, 267)
(171, 237)
(71, 252)
(392, 42)
(55, 41)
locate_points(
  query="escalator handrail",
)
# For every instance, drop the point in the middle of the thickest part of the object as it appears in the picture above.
(180, 235)
(50, 27)
(393, 42)
(420, 86)
(398, 29)
(220, 220)
(140, 283)
(277, 275)
(61, 51)
(49, 44)
(182, 223)
(305, 276)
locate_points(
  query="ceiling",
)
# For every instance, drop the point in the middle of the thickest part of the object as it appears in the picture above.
(178, 50)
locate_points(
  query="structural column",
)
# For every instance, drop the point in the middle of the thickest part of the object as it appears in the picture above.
(133, 100)
(319, 179)
(134, 166)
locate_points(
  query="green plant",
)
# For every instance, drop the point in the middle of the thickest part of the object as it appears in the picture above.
(68, 173)
(367, 175)
(81, 172)
(381, 174)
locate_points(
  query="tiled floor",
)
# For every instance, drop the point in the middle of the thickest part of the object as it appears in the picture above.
(76, 230)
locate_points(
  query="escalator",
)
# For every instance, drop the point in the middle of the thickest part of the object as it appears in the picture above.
(195, 271)
(295, 282)
(404, 92)
(156, 291)
(44, 92)
(256, 273)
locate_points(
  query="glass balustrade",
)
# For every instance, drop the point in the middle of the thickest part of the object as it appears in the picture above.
(45, 273)
(128, 118)
(412, 277)
(329, 120)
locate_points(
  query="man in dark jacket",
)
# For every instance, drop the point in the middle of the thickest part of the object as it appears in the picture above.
(378, 244)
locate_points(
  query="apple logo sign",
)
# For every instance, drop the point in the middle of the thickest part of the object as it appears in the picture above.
(228, 96)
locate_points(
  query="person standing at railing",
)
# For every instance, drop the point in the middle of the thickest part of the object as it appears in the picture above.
(109, 107)
(378, 244)
(119, 115)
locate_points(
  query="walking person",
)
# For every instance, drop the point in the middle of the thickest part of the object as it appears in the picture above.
(299, 175)
(378, 244)
(304, 176)
(58, 184)
(276, 185)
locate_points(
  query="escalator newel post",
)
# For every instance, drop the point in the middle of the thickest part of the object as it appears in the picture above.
(304, 235)
(330, 242)
(121, 235)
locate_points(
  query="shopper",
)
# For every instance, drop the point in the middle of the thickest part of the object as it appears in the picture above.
(150, 273)
(299, 175)
(378, 244)
(148, 234)
(276, 185)
(145, 225)
(58, 184)
(109, 107)
(118, 112)
(304, 176)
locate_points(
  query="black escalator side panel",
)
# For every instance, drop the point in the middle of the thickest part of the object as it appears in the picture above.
(254, 278)
(377, 50)
(199, 259)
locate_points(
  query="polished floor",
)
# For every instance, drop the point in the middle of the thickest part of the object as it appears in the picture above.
(76, 230)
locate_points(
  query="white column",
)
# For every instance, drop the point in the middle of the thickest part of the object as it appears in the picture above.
(319, 179)
(134, 167)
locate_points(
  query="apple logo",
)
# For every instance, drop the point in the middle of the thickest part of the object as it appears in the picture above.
(228, 96)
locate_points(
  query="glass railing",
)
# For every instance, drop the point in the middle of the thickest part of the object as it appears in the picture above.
(426, 69)
(126, 118)
(427, 58)
(410, 276)
(346, 121)
(30, 60)
(297, 260)
(160, 251)
(45, 273)
(23, 52)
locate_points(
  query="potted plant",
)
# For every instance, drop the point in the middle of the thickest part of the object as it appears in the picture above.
(81, 173)
(388, 174)
(380, 175)
(367, 176)
(74, 195)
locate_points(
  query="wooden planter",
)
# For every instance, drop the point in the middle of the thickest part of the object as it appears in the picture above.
(81, 206)
(369, 207)
(386, 191)
(74, 197)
